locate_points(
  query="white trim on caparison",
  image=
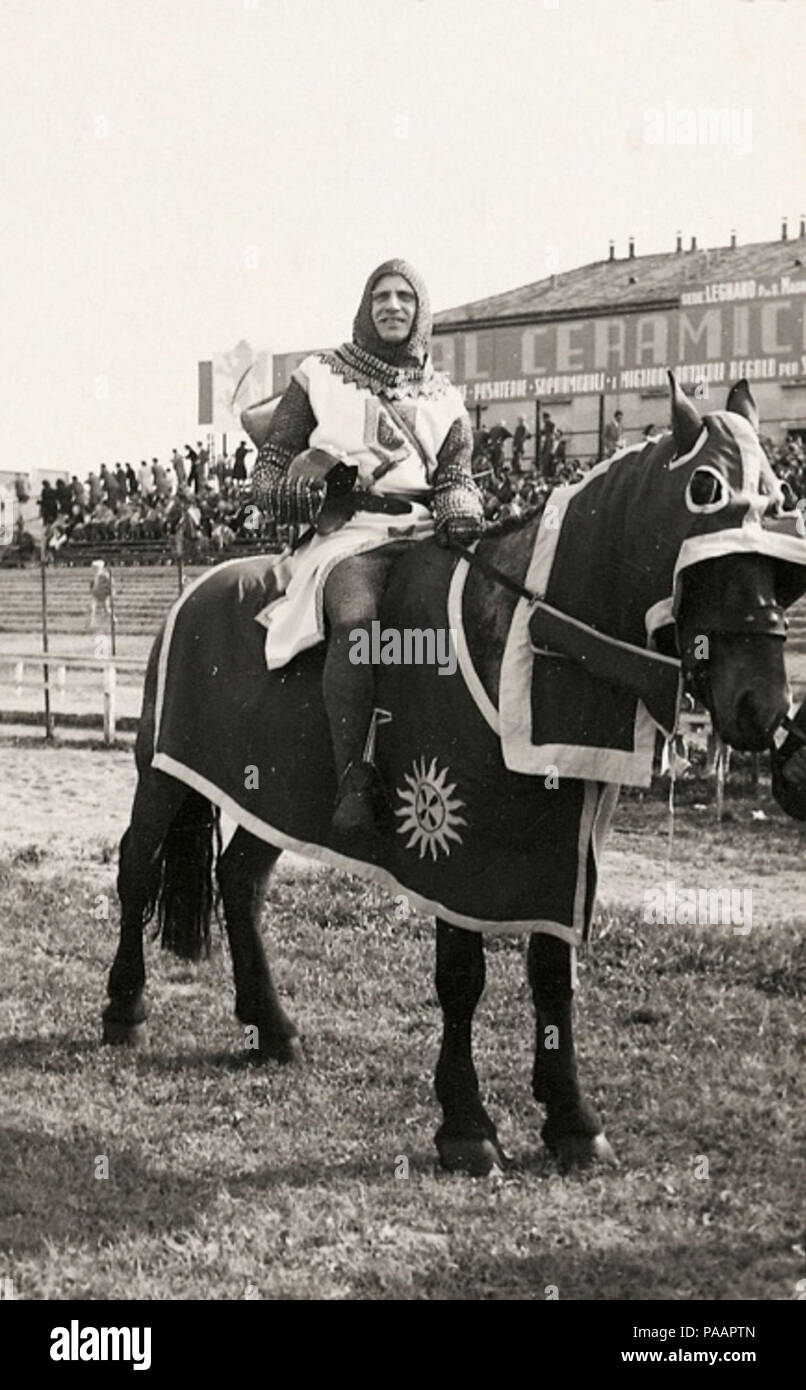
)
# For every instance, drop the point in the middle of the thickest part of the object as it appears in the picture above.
(467, 669)
(676, 461)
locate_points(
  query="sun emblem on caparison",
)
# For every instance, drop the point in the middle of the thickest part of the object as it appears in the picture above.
(429, 815)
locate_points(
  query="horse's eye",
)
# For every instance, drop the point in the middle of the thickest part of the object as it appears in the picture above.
(706, 489)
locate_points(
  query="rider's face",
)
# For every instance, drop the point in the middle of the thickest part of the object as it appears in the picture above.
(394, 305)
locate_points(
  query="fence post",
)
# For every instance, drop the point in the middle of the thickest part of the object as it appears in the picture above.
(112, 619)
(109, 702)
(43, 557)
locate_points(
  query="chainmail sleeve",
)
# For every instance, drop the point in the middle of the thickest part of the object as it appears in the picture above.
(291, 427)
(456, 494)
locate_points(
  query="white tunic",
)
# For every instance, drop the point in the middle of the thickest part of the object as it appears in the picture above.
(353, 424)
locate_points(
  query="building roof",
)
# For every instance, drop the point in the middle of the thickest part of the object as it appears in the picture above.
(629, 282)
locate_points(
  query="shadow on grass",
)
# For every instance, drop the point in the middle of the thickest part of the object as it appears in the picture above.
(50, 1192)
(747, 1267)
(63, 1053)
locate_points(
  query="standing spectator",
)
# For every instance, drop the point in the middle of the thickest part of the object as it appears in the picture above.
(239, 466)
(193, 460)
(100, 591)
(112, 490)
(220, 470)
(48, 504)
(178, 464)
(519, 439)
(481, 442)
(79, 494)
(161, 484)
(202, 460)
(499, 434)
(548, 446)
(63, 496)
(145, 479)
(132, 484)
(614, 435)
(21, 489)
(122, 482)
(94, 488)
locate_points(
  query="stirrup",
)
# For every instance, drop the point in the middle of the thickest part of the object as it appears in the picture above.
(354, 813)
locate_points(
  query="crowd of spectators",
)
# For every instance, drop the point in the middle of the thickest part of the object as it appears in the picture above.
(211, 503)
(789, 461)
(511, 484)
(208, 503)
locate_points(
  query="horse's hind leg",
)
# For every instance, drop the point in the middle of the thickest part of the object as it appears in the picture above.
(573, 1130)
(243, 874)
(466, 1140)
(156, 802)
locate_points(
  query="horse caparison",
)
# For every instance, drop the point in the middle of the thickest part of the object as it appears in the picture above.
(171, 865)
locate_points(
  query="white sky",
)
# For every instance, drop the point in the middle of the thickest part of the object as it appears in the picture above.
(231, 125)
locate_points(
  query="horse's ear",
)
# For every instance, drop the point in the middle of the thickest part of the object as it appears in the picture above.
(740, 401)
(686, 422)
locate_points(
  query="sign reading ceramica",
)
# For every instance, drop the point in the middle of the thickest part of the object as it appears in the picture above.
(718, 333)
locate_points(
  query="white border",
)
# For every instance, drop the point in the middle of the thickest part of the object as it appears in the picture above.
(468, 671)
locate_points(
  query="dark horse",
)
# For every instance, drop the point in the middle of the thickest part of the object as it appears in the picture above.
(727, 591)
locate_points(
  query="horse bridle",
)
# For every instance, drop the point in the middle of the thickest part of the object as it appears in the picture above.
(765, 619)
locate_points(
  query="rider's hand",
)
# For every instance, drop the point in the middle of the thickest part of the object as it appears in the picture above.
(458, 530)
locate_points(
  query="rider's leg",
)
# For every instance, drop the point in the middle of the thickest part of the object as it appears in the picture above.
(352, 599)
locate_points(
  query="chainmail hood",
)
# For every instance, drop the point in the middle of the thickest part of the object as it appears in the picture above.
(411, 353)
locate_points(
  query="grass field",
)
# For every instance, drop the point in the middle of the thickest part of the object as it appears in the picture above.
(229, 1181)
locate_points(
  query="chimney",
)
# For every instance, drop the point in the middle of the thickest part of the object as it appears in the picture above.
(612, 255)
(631, 246)
(802, 225)
(679, 246)
(694, 243)
(784, 232)
(733, 238)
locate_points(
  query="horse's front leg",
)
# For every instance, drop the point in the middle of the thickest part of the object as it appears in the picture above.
(466, 1140)
(573, 1130)
(243, 876)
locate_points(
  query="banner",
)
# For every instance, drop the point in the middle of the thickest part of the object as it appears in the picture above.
(229, 383)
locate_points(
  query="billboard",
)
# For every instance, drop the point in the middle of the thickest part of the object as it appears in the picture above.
(231, 381)
(719, 332)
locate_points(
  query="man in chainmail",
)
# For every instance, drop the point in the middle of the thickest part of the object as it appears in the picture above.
(376, 406)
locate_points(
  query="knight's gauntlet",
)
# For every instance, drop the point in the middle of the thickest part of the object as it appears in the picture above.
(289, 502)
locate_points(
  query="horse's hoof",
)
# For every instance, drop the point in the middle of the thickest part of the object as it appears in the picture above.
(479, 1158)
(118, 1034)
(574, 1151)
(289, 1052)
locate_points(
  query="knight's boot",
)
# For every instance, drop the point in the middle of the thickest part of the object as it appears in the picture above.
(355, 802)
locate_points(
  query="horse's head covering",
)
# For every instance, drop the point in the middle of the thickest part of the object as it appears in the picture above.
(411, 353)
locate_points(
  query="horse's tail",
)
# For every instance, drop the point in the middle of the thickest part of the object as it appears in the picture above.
(186, 896)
